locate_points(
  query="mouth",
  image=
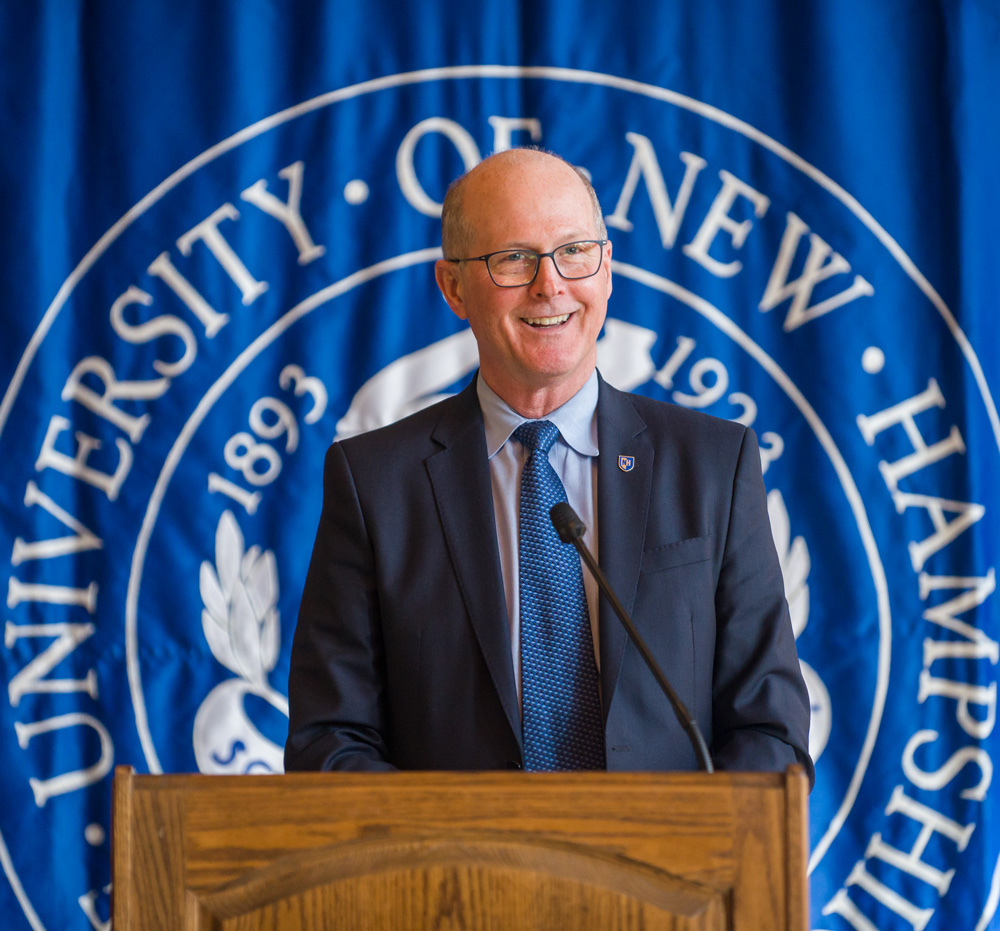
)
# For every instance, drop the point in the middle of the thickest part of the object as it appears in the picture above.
(543, 322)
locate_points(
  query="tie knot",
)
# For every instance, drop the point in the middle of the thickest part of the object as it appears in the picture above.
(537, 435)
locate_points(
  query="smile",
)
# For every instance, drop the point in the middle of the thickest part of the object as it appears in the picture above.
(546, 321)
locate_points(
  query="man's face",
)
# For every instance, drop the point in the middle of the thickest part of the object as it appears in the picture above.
(542, 336)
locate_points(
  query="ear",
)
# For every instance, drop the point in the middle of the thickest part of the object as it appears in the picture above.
(449, 282)
(607, 265)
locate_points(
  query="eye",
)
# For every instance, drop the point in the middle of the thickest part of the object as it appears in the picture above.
(577, 255)
(512, 263)
(512, 258)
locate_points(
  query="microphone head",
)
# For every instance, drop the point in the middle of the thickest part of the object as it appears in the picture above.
(567, 524)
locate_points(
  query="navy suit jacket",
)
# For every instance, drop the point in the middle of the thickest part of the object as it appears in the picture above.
(402, 658)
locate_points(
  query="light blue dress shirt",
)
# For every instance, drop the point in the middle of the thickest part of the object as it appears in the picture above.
(573, 456)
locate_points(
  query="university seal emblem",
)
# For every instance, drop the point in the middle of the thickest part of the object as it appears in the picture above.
(279, 293)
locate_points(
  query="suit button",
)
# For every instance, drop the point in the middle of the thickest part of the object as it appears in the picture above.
(513, 764)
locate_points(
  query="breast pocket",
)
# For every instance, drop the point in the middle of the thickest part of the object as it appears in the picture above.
(679, 553)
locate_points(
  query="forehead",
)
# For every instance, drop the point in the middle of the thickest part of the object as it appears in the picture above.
(526, 199)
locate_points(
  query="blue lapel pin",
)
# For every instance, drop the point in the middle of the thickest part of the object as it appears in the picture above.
(626, 463)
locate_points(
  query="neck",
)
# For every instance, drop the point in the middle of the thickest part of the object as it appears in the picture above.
(535, 403)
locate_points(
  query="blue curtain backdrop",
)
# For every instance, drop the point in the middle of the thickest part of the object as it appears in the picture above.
(219, 221)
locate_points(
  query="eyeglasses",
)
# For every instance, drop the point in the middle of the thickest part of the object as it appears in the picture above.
(515, 268)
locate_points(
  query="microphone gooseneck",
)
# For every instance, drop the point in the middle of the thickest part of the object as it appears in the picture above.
(570, 529)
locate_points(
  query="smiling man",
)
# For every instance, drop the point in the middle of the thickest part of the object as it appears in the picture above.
(444, 625)
(536, 329)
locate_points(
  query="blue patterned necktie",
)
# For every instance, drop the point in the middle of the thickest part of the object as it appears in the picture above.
(561, 719)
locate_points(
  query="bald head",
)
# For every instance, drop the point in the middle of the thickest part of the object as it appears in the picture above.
(537, 340)
(501, 171)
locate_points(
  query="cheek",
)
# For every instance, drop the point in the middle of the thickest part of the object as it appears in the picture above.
(598, 306)
(500, 312)
(493, 322)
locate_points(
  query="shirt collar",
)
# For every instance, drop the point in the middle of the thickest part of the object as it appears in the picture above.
(576, 419)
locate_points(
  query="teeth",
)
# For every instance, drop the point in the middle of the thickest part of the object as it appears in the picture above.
(546, 321)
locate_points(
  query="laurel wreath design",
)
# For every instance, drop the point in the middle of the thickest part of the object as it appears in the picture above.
(793, 556)
(240, 594)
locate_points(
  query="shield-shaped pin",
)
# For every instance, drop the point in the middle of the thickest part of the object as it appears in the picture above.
(626, 463)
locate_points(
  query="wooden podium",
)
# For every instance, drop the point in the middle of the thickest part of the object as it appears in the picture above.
(679, 851)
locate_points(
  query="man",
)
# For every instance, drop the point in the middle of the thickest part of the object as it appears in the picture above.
(423, 613)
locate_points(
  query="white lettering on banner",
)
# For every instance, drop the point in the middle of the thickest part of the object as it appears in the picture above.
(239, 592)
(975, 700)
(963, 692)
(803, 276)
(259, 462)
(779, 288)
(911, 861)
(706, 393)
(406, 172)
(977, 590)
(505, 126)
(644, 164)
(951, 649)
(76, 466)
(44, 789)
(842, 905)
(163, 325)
(821, 261)
(163, 268)
(30, 680)
(719, 220)
(103, 402)
(114, 390)
(944, 774)
(288, 212)
(903, 414)
(945, 530)
(965, 695)
(82, 541)
(18, 593)
(207, 231)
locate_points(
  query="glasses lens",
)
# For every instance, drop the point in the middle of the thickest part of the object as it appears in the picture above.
(517, 267)
(578, 259)
(512, 268)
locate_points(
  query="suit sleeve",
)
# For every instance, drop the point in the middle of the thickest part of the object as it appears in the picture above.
(761, 707)
(336, 687)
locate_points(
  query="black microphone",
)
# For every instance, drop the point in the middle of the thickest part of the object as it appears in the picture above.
(570, 529)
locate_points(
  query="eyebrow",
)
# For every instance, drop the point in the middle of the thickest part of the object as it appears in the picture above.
(572, 237)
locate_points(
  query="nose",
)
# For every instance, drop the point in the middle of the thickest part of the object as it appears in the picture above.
(547, 281)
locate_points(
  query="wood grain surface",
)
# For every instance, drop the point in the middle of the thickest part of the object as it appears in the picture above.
(680, 851)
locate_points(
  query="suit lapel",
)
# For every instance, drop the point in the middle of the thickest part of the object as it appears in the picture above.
(460, 477)
(622, 506)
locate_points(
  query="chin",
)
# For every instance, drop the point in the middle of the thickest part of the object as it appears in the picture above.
(557, 374)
